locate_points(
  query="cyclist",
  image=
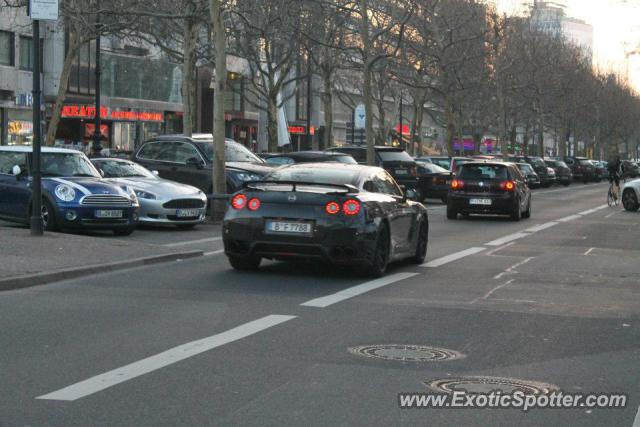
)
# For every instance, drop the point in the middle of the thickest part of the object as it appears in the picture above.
(615, 173)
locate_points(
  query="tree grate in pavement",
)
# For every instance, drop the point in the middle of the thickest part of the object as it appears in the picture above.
(406, 353)
(481, 384)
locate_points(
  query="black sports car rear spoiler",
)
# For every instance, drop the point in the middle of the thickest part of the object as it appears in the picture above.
(294, 184)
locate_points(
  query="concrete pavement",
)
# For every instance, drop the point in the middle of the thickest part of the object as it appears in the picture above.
(557, 304)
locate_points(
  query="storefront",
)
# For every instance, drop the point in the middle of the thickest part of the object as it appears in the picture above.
(19, 126)
(298, 137)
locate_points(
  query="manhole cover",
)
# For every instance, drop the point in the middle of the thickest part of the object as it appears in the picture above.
(406, 353)
(488, 384)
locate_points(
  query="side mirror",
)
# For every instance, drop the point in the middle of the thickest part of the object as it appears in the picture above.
(156, 173)
(194, 161)
(16, 171)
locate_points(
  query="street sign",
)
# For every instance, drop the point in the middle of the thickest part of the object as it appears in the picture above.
(360, 116)
(43, 9)
(355, 136)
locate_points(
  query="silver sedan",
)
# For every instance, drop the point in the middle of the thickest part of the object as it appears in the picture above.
(161, 201)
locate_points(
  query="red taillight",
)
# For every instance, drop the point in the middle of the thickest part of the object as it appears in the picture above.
(239, 201)
(457, 184)
(254, 204)
(507, 185)
(351, 207)
(332, 208)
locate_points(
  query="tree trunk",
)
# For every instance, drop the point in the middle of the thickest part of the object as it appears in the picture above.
(188, 67)
(416, 122)
(63, 85)
(272, 125)
(502, 119)
(219, 176)
(327, 98)
(540, 131)
(450, 125)
(367, 70)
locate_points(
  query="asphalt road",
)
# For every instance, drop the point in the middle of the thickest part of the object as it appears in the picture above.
(553, 301)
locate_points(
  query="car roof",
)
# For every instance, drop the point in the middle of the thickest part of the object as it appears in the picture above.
(196, 137)
(364, 147)
(29, 149)
(335, 166)
(488, 162)
(113, 159)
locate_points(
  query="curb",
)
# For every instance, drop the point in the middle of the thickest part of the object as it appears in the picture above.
(18, 282)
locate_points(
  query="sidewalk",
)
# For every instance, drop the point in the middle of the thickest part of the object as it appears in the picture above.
(28, 261)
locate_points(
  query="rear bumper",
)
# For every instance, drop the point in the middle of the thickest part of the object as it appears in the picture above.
(500, 204)
(345, 245)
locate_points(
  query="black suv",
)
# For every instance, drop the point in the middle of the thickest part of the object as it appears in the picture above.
(581, 168)
(188, 160)
(539, 166)
(563, 172)
(394, 160)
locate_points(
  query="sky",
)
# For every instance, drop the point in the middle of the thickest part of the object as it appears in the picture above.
(614, 23)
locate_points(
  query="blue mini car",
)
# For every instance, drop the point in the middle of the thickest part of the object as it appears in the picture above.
(74, 195)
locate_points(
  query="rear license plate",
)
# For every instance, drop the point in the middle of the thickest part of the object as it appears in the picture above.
(108, 213)
(288, 227)
(401, 172)
(184, 213)
(485, 202)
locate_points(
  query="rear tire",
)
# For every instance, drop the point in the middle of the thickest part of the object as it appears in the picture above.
(527, 213)
(247, 263)
(451, 213)
(422, 243)
(377, 265)
(630, 200)
(516, 214)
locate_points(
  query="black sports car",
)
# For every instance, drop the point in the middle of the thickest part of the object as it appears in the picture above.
(489, 188)
(339, 213)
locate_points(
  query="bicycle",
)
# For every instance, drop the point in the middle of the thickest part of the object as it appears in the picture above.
(612, 195)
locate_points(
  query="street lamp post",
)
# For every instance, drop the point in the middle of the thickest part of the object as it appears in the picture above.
(35, 221)
(97, 135)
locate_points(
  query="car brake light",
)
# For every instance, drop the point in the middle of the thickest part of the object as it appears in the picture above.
(332, 208)
(351, 207)
(239, 201)
(457, 184)
(507, 185)
(254, 204)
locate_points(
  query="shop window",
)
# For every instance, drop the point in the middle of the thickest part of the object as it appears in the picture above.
(7, 46)
(26, 53)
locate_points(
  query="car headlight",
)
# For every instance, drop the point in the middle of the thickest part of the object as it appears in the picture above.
(65, 192)
(132, 195)
(144, 195)
(247, 176)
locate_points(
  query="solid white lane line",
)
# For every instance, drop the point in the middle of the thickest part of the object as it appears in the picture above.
(613, 213)
(589, 251)
(219, 251)
(506, 239)
(192, 242)
(328, 300)
(488, 294)
(541, 227)
(590, 211)
(453, 257)
(160, 360)
(493, 251)
(636, 420)
(569, 218)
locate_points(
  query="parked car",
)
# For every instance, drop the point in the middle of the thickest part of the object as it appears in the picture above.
(343, 214)
(489, 188)
(394, 160)
(563, 172)
(423, 159)
(631, 195)
(630, 169)
(279, 159)
(161, 201)
(539, 166)
(433, 181)
(581, 168)
(450, 163)
(189, 160)
(74, 195)
(530, 176)
(600, 171)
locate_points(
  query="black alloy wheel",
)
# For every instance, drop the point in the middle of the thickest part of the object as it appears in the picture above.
(630, 200)
(380, 257)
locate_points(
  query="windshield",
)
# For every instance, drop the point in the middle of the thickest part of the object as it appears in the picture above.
(67, 164)
(394, 156)
(316, 175)
(119, 169)
(432, 168)
(526, 168)
(483, 172)
(536, 161)
(233, 152)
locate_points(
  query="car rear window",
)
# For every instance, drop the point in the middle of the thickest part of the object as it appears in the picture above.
(483, 172)
(585, 162)
(535, 161)
(526, 168)
(394, 156)
(344, 159)
(316, 175)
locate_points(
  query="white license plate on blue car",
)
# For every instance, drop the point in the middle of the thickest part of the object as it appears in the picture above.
(187, 213)
(288, 227)
(108, 213)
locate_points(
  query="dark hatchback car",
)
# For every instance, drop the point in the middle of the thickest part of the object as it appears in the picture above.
(532, 178)
(434, 181)
(563, 172)
(581, 168)
(539, 166)
(394, 160)
(279, 159)
(342, 214)
(450, 163)
(489, 188)
(190, 160)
